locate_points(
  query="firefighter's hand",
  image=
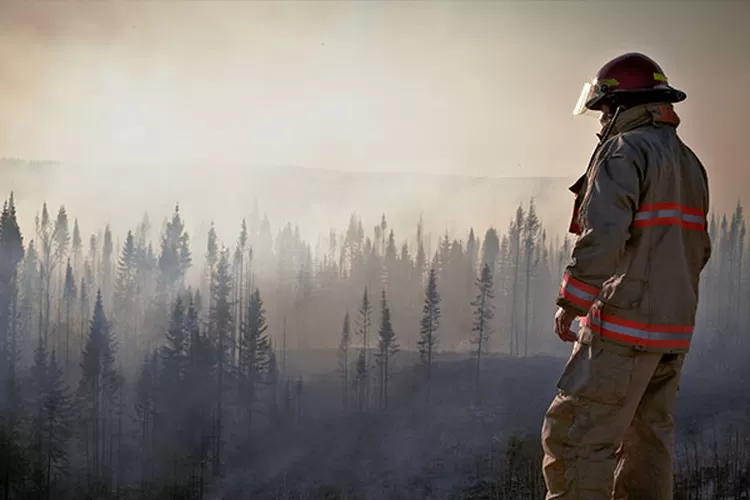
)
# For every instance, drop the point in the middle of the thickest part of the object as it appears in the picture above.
(563, 319)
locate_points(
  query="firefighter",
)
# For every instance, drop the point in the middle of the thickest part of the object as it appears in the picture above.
(640, 219)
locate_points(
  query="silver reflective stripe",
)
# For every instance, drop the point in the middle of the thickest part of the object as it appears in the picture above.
(641, 334)
(659, 214)
(654, 214)
(577, 292)
(693, 218)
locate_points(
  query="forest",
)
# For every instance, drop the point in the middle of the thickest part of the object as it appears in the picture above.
(363, 365)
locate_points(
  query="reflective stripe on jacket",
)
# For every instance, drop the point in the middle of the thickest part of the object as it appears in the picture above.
(641, 218)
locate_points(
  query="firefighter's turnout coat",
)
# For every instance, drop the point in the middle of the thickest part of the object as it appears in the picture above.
(640, 215)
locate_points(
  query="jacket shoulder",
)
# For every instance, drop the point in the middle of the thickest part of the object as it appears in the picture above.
(630, 146)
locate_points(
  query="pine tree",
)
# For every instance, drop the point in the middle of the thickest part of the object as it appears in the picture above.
(69, 295)
(92, 273)
(126, 291)
(61, 237)
(359, 381)
(107, 266)
(83, 304)
(212, 257)
(144, 406)
(222, 326)
(514, 235)
(387, 348)
(35, 409)
(173, 361)
(421, 257)
(76, 248)
(30, 292)
(11, 256)
(471, 262)
(255, 354)
(490, 249)
(531, 233)
(483, 314)
(175, 258)
(58, 422)
(429, 325)
(96, 391)
(365, 321)
(241, 283)
(46, 268)
(198, 395)
(272, 379)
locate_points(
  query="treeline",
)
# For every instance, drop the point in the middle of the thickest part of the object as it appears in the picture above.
(125, 372)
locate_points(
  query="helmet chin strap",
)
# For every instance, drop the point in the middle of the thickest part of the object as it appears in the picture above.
(608, 129)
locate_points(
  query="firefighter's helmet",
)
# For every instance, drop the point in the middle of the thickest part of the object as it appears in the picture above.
(627, 80)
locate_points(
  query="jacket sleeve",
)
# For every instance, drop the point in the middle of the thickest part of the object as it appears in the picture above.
(607, 210)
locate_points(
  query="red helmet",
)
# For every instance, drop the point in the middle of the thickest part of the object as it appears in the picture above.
(627, 80)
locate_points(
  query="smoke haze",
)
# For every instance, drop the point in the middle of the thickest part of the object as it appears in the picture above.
(363, 143)
(483, 89)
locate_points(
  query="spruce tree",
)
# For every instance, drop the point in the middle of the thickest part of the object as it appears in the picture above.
(107, 266)
(175, 257)
(96, 391)
(359, 381)
(222, 327)
(58, 425)
(490, 249)
(126, 291)
(69, 295)
(46, 267)
(484, 311)
(514, 235)
(76, 247)
(255, 354)
(61, 236)
(173, 356)
(11, 256)
(531, 233)
(144, 406)
(365, 321)
(35, 409)
(387, 348)
(29, 295)
(199, 401)
(428, 326)
(212, 257)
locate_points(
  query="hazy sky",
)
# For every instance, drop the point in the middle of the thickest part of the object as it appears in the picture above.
(483, 88)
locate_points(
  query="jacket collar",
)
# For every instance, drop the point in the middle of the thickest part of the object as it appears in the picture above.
(657, 114)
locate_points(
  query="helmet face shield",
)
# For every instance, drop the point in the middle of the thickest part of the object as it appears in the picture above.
(588, 92)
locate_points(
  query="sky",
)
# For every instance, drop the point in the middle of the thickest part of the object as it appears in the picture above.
(476, 88)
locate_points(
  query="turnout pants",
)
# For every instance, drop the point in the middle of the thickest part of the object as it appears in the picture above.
(609, 434)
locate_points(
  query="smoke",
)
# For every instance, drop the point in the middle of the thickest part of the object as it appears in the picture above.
(154, 103)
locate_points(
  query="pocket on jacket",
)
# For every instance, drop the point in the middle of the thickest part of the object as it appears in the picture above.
(598, 374)
(623, 293)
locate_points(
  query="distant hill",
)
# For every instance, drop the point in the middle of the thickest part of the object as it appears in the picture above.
(314, 199)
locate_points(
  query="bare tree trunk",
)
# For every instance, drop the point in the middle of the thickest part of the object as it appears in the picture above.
(385, 380)
(429, 363)
(479, 358)
(67, 334)
(517, 260)
(345, 395)
(526, 306)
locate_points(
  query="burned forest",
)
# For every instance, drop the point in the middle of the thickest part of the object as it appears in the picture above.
(364, 364)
